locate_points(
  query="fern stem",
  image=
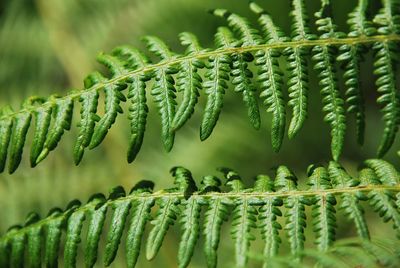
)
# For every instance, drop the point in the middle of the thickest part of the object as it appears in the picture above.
(221, 196)
(224, 51)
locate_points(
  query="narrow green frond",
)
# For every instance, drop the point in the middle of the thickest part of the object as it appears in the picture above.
(241, 79)
(20, 129)
(166, 216)
(89, 102)
(295, 210)
(5, 135)
(244, 217)
(323, 209)
(62, 111)
(17, 248)
(350, 57)
(34, 240)
(384, 66)
(190, 215)
(163, 90)
(241, 74)
(297, 68)
(42, 117)
(190, 222)
(333, 104)
(138, 111)
(217, 75)
(382, 202)
(298, 88)
(270, 76)
(188, 80)
(216, 213)
(118, 221)
(140, 216)
(350, 201)
(97, 217)
(138, 108)
(53, 231)
(268, 215)
(113, 98)
(74, 228)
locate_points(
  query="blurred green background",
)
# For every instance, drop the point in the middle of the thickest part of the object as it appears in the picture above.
(49, 46)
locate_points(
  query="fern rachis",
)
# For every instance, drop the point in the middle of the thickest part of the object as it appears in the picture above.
(186, 203)
(246, 59)
(131, 69)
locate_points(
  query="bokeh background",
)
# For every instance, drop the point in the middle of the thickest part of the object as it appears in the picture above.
(49, 46)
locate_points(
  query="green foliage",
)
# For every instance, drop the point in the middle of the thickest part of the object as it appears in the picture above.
(350, 252)
(215, 86)
(324, 56)
(188, 80)
(297, 68)
(351, 56)
(251, 210)
(385, 58)
(295, 214)
(323, 210)
(241, 52)
(270, 76)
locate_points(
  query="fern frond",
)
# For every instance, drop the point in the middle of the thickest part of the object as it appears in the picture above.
(217, 76)
(388, 22)
(89, 102)
(190, 222)
(62, 112)
(383, 202)
(118, 221)
(351, 56)
(297, 67)
(216, 213)
(53, 237)
(137, 96)
(241, 74)
(188, 80)
(17, 248)
(268, 217)
(5, 135)
(270, 76)
(387, 174)
(73, 233)
(254, 209)
(20, 129)
(113, 98)
(230, 60)
(34, 241)
(97, 217)
(295, 214)
(168, 213)
(244, 219)
(163, 89)
(42, 118)
(139, 218)
(333, 104)
(350, 203)
(323, 210)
